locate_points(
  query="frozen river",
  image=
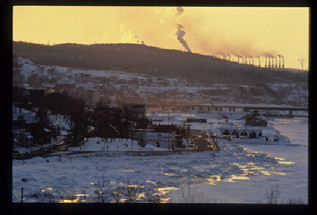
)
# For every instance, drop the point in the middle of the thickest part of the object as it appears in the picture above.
(236, 174)
(290, 173)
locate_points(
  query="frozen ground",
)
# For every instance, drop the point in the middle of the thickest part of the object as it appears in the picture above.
(236, 174)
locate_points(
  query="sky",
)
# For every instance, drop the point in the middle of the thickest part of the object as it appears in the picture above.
(220, 31)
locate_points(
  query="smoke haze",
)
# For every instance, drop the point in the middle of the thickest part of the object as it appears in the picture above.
(244, 32)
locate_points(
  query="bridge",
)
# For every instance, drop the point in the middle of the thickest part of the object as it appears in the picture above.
(266, 110)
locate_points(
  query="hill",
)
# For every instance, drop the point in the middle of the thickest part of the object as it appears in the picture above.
(135, 58)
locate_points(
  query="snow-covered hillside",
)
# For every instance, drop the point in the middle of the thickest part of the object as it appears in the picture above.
(113, 85)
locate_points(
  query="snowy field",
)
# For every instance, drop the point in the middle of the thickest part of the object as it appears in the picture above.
(237, 174)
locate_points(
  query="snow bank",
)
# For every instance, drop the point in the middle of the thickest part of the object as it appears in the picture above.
(101, 144)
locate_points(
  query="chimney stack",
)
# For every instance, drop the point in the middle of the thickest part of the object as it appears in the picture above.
(265, 62)
(259, 62)
(283, 62)
(275, 62)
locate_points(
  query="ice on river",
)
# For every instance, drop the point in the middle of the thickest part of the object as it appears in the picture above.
(236, 174)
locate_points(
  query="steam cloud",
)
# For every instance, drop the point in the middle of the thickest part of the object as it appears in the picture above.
(301, 61)
(181, 30)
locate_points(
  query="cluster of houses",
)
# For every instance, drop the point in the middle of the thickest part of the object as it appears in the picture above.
(27, 129)
(252, 129)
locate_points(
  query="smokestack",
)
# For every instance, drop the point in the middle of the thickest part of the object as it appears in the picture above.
(265, 62)
(275, 66)
(252, 61)
(239, 59)
(283, 62)
(259, 62)
(279, 57)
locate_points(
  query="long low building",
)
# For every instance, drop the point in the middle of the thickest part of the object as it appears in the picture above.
(158, 139)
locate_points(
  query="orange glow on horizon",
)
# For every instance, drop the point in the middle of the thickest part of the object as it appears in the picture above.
(216, 31)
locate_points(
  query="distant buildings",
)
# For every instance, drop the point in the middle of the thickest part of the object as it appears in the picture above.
(28, 95)
(189, 120)
(135, 109)
(255, 119)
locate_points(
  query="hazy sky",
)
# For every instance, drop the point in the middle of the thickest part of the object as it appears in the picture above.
(206, 30)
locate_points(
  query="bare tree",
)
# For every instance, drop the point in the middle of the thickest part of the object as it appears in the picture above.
(103, 188)
(65, 194)
(273, 195)
(192, 195)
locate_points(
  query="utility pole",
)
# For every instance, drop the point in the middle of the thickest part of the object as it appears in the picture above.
(21, 194)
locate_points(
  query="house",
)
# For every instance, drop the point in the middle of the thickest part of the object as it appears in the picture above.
(157, 139)
(138, 109)
(163, 136)
(24, 120)
(33, 95)
(196, 120)
(255, 119)
(22, 137)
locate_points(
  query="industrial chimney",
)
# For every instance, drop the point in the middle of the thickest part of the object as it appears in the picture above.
(259, 62)
(283, 62)
(275, 62)
(265, 62)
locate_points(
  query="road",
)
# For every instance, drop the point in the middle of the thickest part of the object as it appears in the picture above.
(61, 146)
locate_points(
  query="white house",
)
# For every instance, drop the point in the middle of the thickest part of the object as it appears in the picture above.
(158, 139)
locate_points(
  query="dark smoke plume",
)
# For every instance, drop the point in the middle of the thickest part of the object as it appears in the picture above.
(180, 10)
(180, 36)
(181, 30)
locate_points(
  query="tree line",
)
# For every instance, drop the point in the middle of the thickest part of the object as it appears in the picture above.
(108, 122)
(151, 60)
